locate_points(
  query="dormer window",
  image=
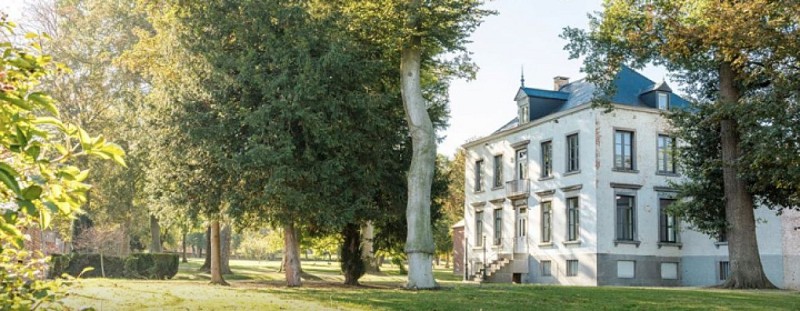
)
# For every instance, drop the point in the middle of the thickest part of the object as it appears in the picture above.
(663, 100)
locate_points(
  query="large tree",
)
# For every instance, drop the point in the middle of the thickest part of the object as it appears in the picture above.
(737, 57)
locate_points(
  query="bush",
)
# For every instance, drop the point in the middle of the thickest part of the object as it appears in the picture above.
(140, 265)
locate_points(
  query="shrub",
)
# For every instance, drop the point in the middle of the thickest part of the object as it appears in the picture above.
(139, 266)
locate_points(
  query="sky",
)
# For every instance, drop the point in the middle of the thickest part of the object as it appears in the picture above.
(523, 34)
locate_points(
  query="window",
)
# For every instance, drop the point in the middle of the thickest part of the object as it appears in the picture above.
(666, 154)
(668, 224)
(669, 270)
(478, 177)
(522, 164)
(626, 226)
(498, 226)
(724, 270)
(523, 114)
(572, 267)
(623, 150)
(479, 228)
(626, 269)
(547, 220)
(722, 237)
(547, 268)
(572, 153)
(573, 216)
(547, 159)
(522, 223)
(498, 171)
(663, 101)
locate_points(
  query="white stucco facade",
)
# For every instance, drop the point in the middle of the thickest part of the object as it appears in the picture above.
(517, 206)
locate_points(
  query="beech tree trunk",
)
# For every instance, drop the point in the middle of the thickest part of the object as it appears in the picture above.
(351, 257)
(367, 251)
(291, 255)
(745, 263)
(155, 235)
(216, 273)
(225, 252)
(419, 241)
(206, 267)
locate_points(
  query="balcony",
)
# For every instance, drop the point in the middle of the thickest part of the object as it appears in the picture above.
(517, 189)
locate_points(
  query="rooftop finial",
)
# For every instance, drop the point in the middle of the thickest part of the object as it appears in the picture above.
(522, 76)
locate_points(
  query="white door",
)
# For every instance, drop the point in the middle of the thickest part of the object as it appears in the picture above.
(521, 236)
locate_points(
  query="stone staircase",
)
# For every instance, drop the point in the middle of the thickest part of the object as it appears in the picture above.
(491, 269)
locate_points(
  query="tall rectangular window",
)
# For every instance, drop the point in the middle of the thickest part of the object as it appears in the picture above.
(623, 150)
(668, 224)
(523, 114)
(573, 158)
(666, 154)
(498, 171)
(522, 164)
(724, 270)
(572, 267)
(479, 228)
(498, 226)
(547, 221)
(663, 101)
(547, 159)
(547, 268)
(478, 175)
(573, 217)
(626, 225)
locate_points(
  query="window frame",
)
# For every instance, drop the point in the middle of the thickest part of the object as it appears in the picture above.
(572, 271)
(498, 171)
(547, 222)
(621, 234)
(497, 238)
(479, 228)
(478, 175)
(724, 270)
(573, 219)
(630, 148)
(522, 222)
(521, 172)
(548, 264)
(666, 154)
(664, 225)
(546, 153)
(666, 102)
(573, 153)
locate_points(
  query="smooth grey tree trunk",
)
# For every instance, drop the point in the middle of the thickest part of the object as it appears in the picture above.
(419, 240)
(206, 267)
(367, 251)
(155, 235)
(216, 273)
(225, 253)
(183, 247)
(291, 255)
(745, 263)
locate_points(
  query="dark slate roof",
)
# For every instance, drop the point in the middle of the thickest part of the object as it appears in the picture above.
(545, 93)
(630, 85)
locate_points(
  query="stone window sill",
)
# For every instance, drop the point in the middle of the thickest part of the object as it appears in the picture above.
(497, 187)
(632, 242)
(668, 174)
(625, 170)
(546, 178)
(572, 173)
(546, 244)
(567, 243)
(718, 244)
(679, 245)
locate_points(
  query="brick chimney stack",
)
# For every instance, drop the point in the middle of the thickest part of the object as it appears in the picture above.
(559, 81)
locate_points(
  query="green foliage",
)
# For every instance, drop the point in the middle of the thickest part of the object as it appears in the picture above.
(137, 266)
(37, 181)
(260, 245)
(352, 262)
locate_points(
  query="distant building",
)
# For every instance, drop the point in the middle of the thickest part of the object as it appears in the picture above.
(566, 194)
(458, 248)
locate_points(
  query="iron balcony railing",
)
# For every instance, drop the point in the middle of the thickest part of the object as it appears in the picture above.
(517, 188)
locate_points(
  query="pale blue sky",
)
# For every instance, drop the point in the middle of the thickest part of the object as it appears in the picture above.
(523, 33)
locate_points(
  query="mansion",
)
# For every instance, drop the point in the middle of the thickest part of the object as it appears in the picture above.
(567, 194)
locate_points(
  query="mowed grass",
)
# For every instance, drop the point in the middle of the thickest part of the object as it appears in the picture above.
(258, 286)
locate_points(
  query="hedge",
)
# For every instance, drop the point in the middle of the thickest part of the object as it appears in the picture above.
(137, 265)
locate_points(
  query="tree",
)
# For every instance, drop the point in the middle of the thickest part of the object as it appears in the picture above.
(736, 56)
(38, 181)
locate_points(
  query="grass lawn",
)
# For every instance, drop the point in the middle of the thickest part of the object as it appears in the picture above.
(258, 286)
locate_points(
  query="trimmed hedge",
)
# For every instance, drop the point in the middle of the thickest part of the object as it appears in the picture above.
(137, 265)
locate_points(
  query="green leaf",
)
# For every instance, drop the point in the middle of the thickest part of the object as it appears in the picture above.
(21, 138)
(16, 101)
(32, 193)
(45, 218)
(10, 230)
(34, 151)
(45, 101)
(27, 207)
(82, 175)
(9, 181)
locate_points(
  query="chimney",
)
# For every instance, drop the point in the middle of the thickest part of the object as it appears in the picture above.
(559, 81)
